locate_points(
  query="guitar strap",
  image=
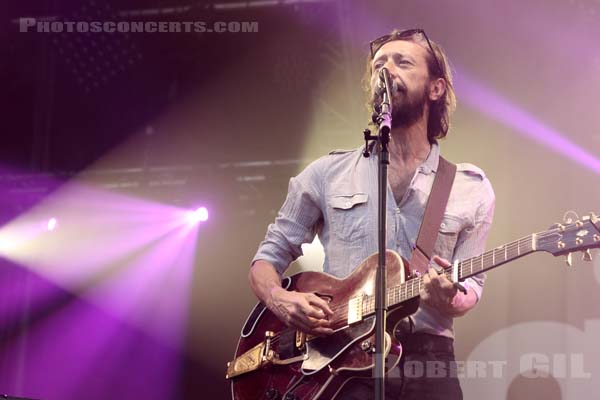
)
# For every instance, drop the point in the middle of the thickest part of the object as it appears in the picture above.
(432, 218)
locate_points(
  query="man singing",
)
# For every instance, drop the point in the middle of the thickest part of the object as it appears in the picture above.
(336, 198)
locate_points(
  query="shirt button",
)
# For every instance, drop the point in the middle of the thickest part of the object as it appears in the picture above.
(348, 204)
(443, 224)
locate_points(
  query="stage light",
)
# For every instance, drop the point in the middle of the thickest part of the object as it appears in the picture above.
(8, 245)
(198, 215)
(52, 222)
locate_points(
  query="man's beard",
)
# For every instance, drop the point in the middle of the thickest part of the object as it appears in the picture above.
(406, 109)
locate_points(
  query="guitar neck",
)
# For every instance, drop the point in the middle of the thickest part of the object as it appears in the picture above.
(466, 268)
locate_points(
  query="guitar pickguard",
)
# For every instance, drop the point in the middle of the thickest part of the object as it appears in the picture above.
(321, 351)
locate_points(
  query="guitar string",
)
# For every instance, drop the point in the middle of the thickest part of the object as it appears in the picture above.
(486, 258)
(392, 292)
(403, 290)
(511, 248)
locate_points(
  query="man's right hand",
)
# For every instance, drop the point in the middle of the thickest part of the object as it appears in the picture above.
(304, 311)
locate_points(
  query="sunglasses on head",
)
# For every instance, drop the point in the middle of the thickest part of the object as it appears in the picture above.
(403, 35)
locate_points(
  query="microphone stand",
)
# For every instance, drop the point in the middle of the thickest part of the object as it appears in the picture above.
(384, 121)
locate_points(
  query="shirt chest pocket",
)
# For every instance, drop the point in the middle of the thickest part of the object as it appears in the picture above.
(448, 235)
(349, 216)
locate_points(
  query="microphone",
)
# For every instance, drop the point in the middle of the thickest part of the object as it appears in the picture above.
(384, 118)
(381, 83)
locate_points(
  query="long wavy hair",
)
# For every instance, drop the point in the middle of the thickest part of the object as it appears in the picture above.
(440, 110)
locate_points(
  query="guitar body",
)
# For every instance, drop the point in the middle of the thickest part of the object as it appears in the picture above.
(318, 368)
(273, 362)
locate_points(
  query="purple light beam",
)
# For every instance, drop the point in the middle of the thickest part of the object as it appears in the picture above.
(483, 99)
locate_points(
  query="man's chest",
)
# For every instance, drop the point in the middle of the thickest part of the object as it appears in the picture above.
(399, 180)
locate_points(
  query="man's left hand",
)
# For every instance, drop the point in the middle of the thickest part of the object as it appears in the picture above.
(439, 292)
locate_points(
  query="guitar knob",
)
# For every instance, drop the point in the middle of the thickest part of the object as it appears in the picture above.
(587, 255)
(290, 396)
(272, 394)
(366, 345)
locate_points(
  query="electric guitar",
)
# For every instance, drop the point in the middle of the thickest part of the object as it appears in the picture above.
(274, 362)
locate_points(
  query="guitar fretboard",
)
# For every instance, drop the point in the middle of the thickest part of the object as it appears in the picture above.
(467, 268)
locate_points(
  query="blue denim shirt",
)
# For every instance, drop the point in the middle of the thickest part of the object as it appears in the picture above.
(336, 197)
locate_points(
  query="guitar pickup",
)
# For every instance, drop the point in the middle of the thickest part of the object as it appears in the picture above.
(355, 310)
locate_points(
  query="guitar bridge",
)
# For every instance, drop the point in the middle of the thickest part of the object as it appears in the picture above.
(300, 340)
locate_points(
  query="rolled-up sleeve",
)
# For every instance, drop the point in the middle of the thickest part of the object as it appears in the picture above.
(471, 241)
(296, 221)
